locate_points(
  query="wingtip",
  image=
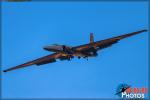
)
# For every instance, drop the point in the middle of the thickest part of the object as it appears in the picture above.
(144, 30)
(4, 70)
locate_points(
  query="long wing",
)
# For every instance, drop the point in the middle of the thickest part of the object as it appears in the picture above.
(106, 43)
(43, 60)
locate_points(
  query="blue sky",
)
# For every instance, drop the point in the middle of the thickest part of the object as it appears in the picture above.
(28, 27)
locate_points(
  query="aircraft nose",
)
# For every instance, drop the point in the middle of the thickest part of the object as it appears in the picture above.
(45, 48)
(49, 47)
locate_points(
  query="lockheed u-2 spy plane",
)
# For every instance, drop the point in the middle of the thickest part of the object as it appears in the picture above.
(63, 52)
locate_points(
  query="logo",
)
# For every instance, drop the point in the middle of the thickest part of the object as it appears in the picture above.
(127, 92)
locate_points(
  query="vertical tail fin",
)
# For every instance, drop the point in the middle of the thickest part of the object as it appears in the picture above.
(91, 38)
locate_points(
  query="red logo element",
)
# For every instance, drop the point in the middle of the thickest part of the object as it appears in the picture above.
(137, 90)
(143, 90)
(128, 90)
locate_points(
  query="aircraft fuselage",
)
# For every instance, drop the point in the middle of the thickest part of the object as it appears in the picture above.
(69, 51)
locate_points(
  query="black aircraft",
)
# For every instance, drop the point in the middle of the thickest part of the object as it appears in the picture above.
(63, 52)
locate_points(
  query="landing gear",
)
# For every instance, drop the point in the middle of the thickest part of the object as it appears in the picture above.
(86, 57)
(70, 57)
